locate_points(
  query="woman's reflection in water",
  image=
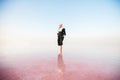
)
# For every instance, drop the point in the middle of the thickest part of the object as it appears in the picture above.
(61, 67)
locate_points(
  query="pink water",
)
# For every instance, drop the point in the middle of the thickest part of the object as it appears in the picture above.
(57, 68)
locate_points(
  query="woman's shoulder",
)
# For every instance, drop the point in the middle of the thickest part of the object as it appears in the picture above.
(63, 28)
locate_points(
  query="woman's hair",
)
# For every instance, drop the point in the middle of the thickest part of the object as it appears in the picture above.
(60, 25)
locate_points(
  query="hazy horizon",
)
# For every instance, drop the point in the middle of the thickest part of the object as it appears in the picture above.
(28, 27)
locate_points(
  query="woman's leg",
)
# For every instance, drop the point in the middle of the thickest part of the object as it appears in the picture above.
(62, 38)
(61, 49)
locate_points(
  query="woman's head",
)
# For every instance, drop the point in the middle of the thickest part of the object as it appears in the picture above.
(60, 25)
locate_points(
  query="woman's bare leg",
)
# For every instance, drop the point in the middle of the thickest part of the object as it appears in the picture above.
(60, 49)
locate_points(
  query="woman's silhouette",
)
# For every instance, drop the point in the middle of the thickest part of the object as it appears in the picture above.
(61, 33)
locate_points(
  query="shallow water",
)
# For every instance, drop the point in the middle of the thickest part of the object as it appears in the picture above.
(57, 67)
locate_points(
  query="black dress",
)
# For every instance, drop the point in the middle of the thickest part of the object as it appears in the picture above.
(61, 36)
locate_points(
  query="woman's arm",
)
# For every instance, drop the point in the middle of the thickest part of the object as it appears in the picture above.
(63, 31)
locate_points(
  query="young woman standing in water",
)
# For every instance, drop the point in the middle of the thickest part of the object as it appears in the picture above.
(61, 33)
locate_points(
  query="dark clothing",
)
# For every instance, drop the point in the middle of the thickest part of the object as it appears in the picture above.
(61, 37)
(63, 31)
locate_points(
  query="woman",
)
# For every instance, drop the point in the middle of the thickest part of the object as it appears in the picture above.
(61, 33)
